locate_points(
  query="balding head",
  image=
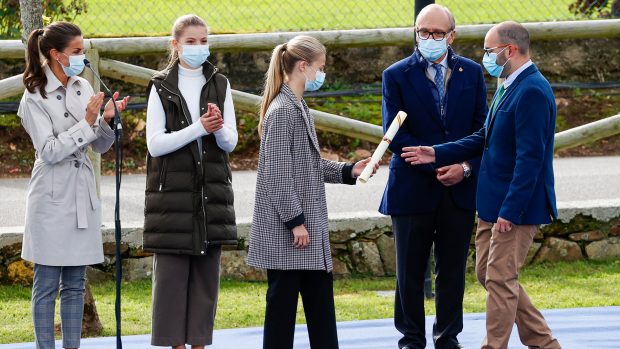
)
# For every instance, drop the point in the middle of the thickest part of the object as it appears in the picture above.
(435, 16)
(512, 33)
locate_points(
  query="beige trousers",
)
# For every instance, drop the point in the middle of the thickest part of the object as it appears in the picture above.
(499, 258)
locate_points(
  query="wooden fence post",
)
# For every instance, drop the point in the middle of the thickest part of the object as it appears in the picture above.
(91, 325)
(93, 56)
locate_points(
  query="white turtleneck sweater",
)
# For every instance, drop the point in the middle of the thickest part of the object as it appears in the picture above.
(191, 82)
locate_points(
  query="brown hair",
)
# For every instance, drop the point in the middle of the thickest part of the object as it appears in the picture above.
(57, 36)
(514, 33)
(283, 59)
(177, 30)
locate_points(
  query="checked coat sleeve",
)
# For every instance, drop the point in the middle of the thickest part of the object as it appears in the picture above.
(278, 136)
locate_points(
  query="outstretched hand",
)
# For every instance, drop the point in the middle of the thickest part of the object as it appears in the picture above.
(418, 155)
(359, 167)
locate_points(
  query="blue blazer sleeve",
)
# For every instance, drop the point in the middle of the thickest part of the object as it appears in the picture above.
(532, 121)
(455, 152)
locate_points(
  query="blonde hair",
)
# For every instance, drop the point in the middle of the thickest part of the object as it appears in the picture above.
(177, 30)
(283, 59)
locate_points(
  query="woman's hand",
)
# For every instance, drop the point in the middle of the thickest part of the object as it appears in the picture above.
(359, 167)
(108, 111)
(302, 239)
(212, 120)
(92, 107)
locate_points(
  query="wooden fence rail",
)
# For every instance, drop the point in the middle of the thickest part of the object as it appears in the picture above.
(541, 31)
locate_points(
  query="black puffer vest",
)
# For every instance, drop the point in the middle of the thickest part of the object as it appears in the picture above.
(189, 196)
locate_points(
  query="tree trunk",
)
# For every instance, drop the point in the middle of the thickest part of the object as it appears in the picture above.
(91, 326)
(31, 12)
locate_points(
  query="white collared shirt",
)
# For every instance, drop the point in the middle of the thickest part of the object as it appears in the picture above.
(512, 77)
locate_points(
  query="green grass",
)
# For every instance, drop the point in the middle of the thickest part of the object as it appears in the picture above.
(241, 304)
(121, 18)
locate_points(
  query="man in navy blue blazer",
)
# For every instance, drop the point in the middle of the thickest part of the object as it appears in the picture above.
(516, 187)
(444, 96)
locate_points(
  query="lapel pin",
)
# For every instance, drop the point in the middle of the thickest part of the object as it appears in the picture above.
(461, 69)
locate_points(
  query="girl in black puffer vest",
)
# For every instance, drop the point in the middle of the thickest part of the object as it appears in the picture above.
(189, 212)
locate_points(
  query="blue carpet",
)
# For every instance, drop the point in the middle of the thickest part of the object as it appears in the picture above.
(582, 328)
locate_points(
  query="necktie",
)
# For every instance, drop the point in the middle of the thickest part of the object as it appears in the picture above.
(439, 82)
(497, 99)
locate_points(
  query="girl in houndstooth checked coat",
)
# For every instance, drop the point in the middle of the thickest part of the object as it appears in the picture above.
(290, 235)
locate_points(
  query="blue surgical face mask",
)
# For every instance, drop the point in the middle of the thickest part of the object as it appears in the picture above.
(489, 60)
(194, 55)
(432, 49)
(313, 85)
(76, 65)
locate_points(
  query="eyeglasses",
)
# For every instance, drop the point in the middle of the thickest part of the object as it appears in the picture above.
(437, 36)
(488, 51)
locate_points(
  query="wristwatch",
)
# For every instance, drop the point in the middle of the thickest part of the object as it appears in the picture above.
(466, 170)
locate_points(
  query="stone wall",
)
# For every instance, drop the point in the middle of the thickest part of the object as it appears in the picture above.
(361, 245)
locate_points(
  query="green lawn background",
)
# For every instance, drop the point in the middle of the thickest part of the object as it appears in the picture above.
(155, 17)
(242, 304)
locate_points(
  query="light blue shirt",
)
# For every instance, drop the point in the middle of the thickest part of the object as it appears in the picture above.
(512, 77)
(431, 72)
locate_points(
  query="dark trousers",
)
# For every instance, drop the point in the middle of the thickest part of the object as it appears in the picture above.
(185, 290)
(316, 288)
(450, 229)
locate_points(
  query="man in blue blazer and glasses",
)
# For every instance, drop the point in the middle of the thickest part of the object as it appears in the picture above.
(515, 186)
(444, 96)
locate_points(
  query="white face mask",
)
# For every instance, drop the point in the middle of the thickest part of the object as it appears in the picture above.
(314, 85)
(194, 55)
(76, 65)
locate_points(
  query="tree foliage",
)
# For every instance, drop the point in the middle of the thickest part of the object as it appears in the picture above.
(596, 8)
(53, 10)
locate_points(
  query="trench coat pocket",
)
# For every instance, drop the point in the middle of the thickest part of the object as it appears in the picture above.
(60, 176)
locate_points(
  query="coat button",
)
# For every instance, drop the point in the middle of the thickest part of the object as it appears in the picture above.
(59, 97)
(77, 165)
(206, 198)
(80, 140)
(182, 122)
(198, 162)
(79, 93)
(202, 252)
(447, 132)
(66, 114)
(169, 97)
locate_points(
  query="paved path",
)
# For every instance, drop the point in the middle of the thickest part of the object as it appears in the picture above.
(577, 179)
(585, 328)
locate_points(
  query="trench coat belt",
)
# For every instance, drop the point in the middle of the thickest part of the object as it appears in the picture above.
(84, 192)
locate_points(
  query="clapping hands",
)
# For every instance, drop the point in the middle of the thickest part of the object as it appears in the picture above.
(212, 120)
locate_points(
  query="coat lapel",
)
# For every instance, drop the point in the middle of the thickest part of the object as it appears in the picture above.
(454, 86)
(416, 74)
(308, 119)
(513, 87)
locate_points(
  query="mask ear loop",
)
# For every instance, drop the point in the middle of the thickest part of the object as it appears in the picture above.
(507, 59)
(62, 65)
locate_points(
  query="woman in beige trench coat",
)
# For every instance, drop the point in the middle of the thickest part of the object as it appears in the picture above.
(62, 233)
